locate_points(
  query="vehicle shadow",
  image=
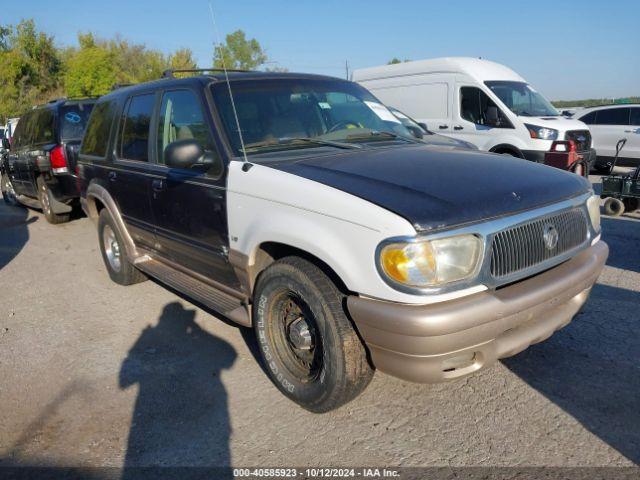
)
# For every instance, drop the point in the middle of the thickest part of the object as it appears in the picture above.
(14, 231)
(181, 415)
(590, 368)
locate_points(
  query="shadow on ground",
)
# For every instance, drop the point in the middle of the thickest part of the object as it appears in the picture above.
(181, 415)
(14, 231)
(582, 368)
(624, 241)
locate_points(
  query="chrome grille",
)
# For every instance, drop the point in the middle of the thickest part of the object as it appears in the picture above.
(523, 247)
(582, 139)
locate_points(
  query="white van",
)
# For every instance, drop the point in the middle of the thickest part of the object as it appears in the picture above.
(478, 101)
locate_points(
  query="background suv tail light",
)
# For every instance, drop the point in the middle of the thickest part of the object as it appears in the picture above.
(58, 160)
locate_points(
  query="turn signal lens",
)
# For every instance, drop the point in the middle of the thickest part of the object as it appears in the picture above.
(431, 263)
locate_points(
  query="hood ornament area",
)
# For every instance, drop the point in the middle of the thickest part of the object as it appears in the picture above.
(550, 236)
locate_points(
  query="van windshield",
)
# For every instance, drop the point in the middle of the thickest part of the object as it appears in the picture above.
(286, 114)
(522, 99)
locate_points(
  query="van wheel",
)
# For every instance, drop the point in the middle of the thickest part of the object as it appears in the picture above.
(8, 193)
(120, 269)
(46, 198)
(613, 207)
(309, 346)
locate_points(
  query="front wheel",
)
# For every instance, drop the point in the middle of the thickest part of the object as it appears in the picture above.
(8, 193)
(309, 346)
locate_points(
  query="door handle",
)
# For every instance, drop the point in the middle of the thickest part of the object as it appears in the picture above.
(442, 127)
(637, 130)
(458, 127)
(113, 176)
(158, 185)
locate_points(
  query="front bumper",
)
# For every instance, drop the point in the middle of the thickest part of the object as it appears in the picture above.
(433, 343)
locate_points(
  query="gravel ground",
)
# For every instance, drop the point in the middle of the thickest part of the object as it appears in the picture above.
(95, 374)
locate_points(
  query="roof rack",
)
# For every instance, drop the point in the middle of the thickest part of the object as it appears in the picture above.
(170, 72)
(116, 86)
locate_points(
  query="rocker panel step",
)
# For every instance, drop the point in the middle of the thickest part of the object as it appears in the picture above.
(205, 294)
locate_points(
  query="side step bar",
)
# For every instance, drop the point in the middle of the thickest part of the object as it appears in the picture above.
(230, 306)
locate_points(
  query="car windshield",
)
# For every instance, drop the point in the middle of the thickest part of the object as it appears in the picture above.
(522, 99)
(73, 120)
(284, 114)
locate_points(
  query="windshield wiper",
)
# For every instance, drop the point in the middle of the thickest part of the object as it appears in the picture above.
(379, 134)
(284, 141)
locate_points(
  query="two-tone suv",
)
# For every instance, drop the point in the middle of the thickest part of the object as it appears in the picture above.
(300, 206)
(39, 170)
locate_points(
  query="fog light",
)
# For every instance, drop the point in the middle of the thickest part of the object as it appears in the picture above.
(459, 361)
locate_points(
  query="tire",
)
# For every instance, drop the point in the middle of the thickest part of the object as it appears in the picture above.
(45, 198)
(120, 269)
(631, 204)
(8, 193)
(323, 368)
(603, 169)
(613, 207)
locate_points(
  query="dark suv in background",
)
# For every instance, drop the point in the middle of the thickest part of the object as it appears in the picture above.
(40, 169)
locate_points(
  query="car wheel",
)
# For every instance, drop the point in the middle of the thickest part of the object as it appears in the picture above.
(8, 193)
(46, 198)
(613, 207)
(120, 269)
(631, 204)
(308, 344)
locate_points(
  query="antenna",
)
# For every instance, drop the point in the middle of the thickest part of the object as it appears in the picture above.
(226, 76)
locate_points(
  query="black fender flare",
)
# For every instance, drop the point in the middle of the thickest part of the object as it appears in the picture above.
(506, 146)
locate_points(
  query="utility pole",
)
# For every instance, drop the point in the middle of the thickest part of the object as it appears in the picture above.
(346, 69)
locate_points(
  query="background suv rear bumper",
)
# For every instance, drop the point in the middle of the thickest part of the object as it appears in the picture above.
(434, 343)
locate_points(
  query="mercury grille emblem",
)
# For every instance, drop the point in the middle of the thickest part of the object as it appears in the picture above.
(550, 236)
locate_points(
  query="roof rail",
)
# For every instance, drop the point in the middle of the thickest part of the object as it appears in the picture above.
(171, 71)
(116, 86)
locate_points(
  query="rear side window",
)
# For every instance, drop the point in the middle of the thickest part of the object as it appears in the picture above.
(73, 120)
(42, 127)
(635, 117)
(134, 141)
(20, 136)
(613, 116)
(96, 137)
(589, 118)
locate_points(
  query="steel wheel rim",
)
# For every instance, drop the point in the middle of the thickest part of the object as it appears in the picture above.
(46, 205)
(111, 248)
(298, 336)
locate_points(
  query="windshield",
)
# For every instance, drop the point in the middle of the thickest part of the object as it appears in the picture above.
(73, 120)
(284, 114)
(522, 99)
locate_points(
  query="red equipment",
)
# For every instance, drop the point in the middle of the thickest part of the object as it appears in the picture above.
(563, 155)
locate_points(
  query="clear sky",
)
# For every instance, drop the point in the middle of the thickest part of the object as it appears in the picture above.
(567, 49)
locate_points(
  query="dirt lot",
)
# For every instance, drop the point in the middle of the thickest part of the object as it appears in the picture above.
(95, 374)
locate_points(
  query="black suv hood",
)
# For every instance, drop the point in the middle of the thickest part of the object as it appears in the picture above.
(435, 189)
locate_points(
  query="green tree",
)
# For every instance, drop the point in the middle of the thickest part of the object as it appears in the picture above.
(90, 72)
(395, 60)
(182, 59)
(239, 53)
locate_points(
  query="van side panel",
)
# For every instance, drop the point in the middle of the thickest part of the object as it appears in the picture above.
(425, 97)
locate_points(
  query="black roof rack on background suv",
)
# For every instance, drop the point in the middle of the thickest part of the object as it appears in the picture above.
(116, 86)
(171, 71)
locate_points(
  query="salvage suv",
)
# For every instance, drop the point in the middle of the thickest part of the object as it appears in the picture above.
(39, 169)
(300, 206)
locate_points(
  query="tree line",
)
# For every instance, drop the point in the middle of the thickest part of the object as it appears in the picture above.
(34, 70)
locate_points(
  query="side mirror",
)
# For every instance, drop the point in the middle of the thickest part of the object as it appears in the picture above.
(6, 144)
(415, 131)
(183, 154)
(423, 126)
(491, 117)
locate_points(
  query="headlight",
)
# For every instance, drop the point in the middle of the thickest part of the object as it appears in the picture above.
(431, 263)
(542, 133)
(593, 205)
